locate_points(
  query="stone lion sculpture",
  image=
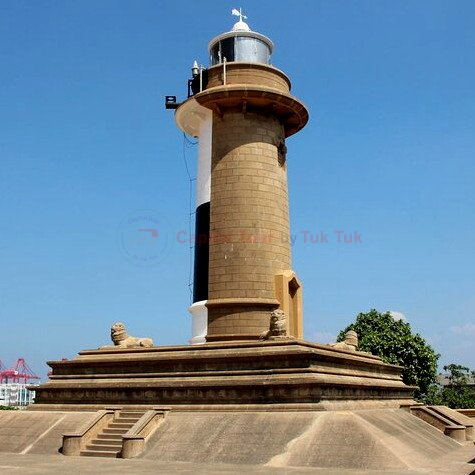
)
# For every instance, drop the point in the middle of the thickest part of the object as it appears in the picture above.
(121, 339)
(349, 343)
(277, 328)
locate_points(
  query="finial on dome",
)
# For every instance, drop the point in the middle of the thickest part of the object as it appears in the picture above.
(240, 25)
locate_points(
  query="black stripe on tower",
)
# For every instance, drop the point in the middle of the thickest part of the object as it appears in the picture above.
(201, 264)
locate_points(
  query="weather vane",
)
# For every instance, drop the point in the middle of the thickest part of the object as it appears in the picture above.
(238, 13)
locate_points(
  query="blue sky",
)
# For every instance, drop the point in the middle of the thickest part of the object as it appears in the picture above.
(85, 140)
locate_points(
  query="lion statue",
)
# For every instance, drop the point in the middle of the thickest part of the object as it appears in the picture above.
(277, 328)
(120, 338)
(349, 343)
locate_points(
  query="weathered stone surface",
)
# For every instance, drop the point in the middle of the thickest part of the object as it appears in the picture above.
(365, 440)
(121, 339)
(381, 441)
(238, 73)
(28, 432)
(271, 372)
(277, 327)
(249, 246)
(249, 185)
(350, 342)
(13, 464)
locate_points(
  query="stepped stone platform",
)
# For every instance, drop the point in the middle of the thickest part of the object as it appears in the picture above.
(265, 407)
(282, 374)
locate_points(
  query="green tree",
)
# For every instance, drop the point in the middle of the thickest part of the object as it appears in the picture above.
(458, 393)
(393, 341)
(458, 375)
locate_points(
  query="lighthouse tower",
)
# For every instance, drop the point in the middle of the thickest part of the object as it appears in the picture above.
(241, 110)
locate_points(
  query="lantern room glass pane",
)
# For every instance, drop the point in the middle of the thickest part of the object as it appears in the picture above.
(251, 50)
(245, 49)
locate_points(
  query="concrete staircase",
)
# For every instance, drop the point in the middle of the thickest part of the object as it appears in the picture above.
(449, 421)
(108, 442)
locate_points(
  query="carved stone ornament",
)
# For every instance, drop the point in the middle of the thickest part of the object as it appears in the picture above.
(277, 328)
(350, 343)
(120, 338)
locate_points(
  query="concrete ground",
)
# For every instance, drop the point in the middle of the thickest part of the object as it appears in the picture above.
(391, 442)
(390, 439)
(16, 464)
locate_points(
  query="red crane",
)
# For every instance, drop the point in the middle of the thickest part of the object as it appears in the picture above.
(21, 373)
(2, 368)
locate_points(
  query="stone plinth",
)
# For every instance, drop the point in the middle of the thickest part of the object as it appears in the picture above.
(278, 374)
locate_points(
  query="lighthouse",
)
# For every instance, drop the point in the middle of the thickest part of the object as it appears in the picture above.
(241, 111)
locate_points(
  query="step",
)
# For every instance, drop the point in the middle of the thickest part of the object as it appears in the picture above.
(109, 442)
(120, 425)
(448, 427)
(127, 420)
(456, 418)
(137, 414)
(93, 453)
(103, 448)
(114, 431)
(102, 436)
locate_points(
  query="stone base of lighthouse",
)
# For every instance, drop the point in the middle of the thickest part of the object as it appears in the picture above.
(287, 374)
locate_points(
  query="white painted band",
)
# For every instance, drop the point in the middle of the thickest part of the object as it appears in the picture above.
(199, 322)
